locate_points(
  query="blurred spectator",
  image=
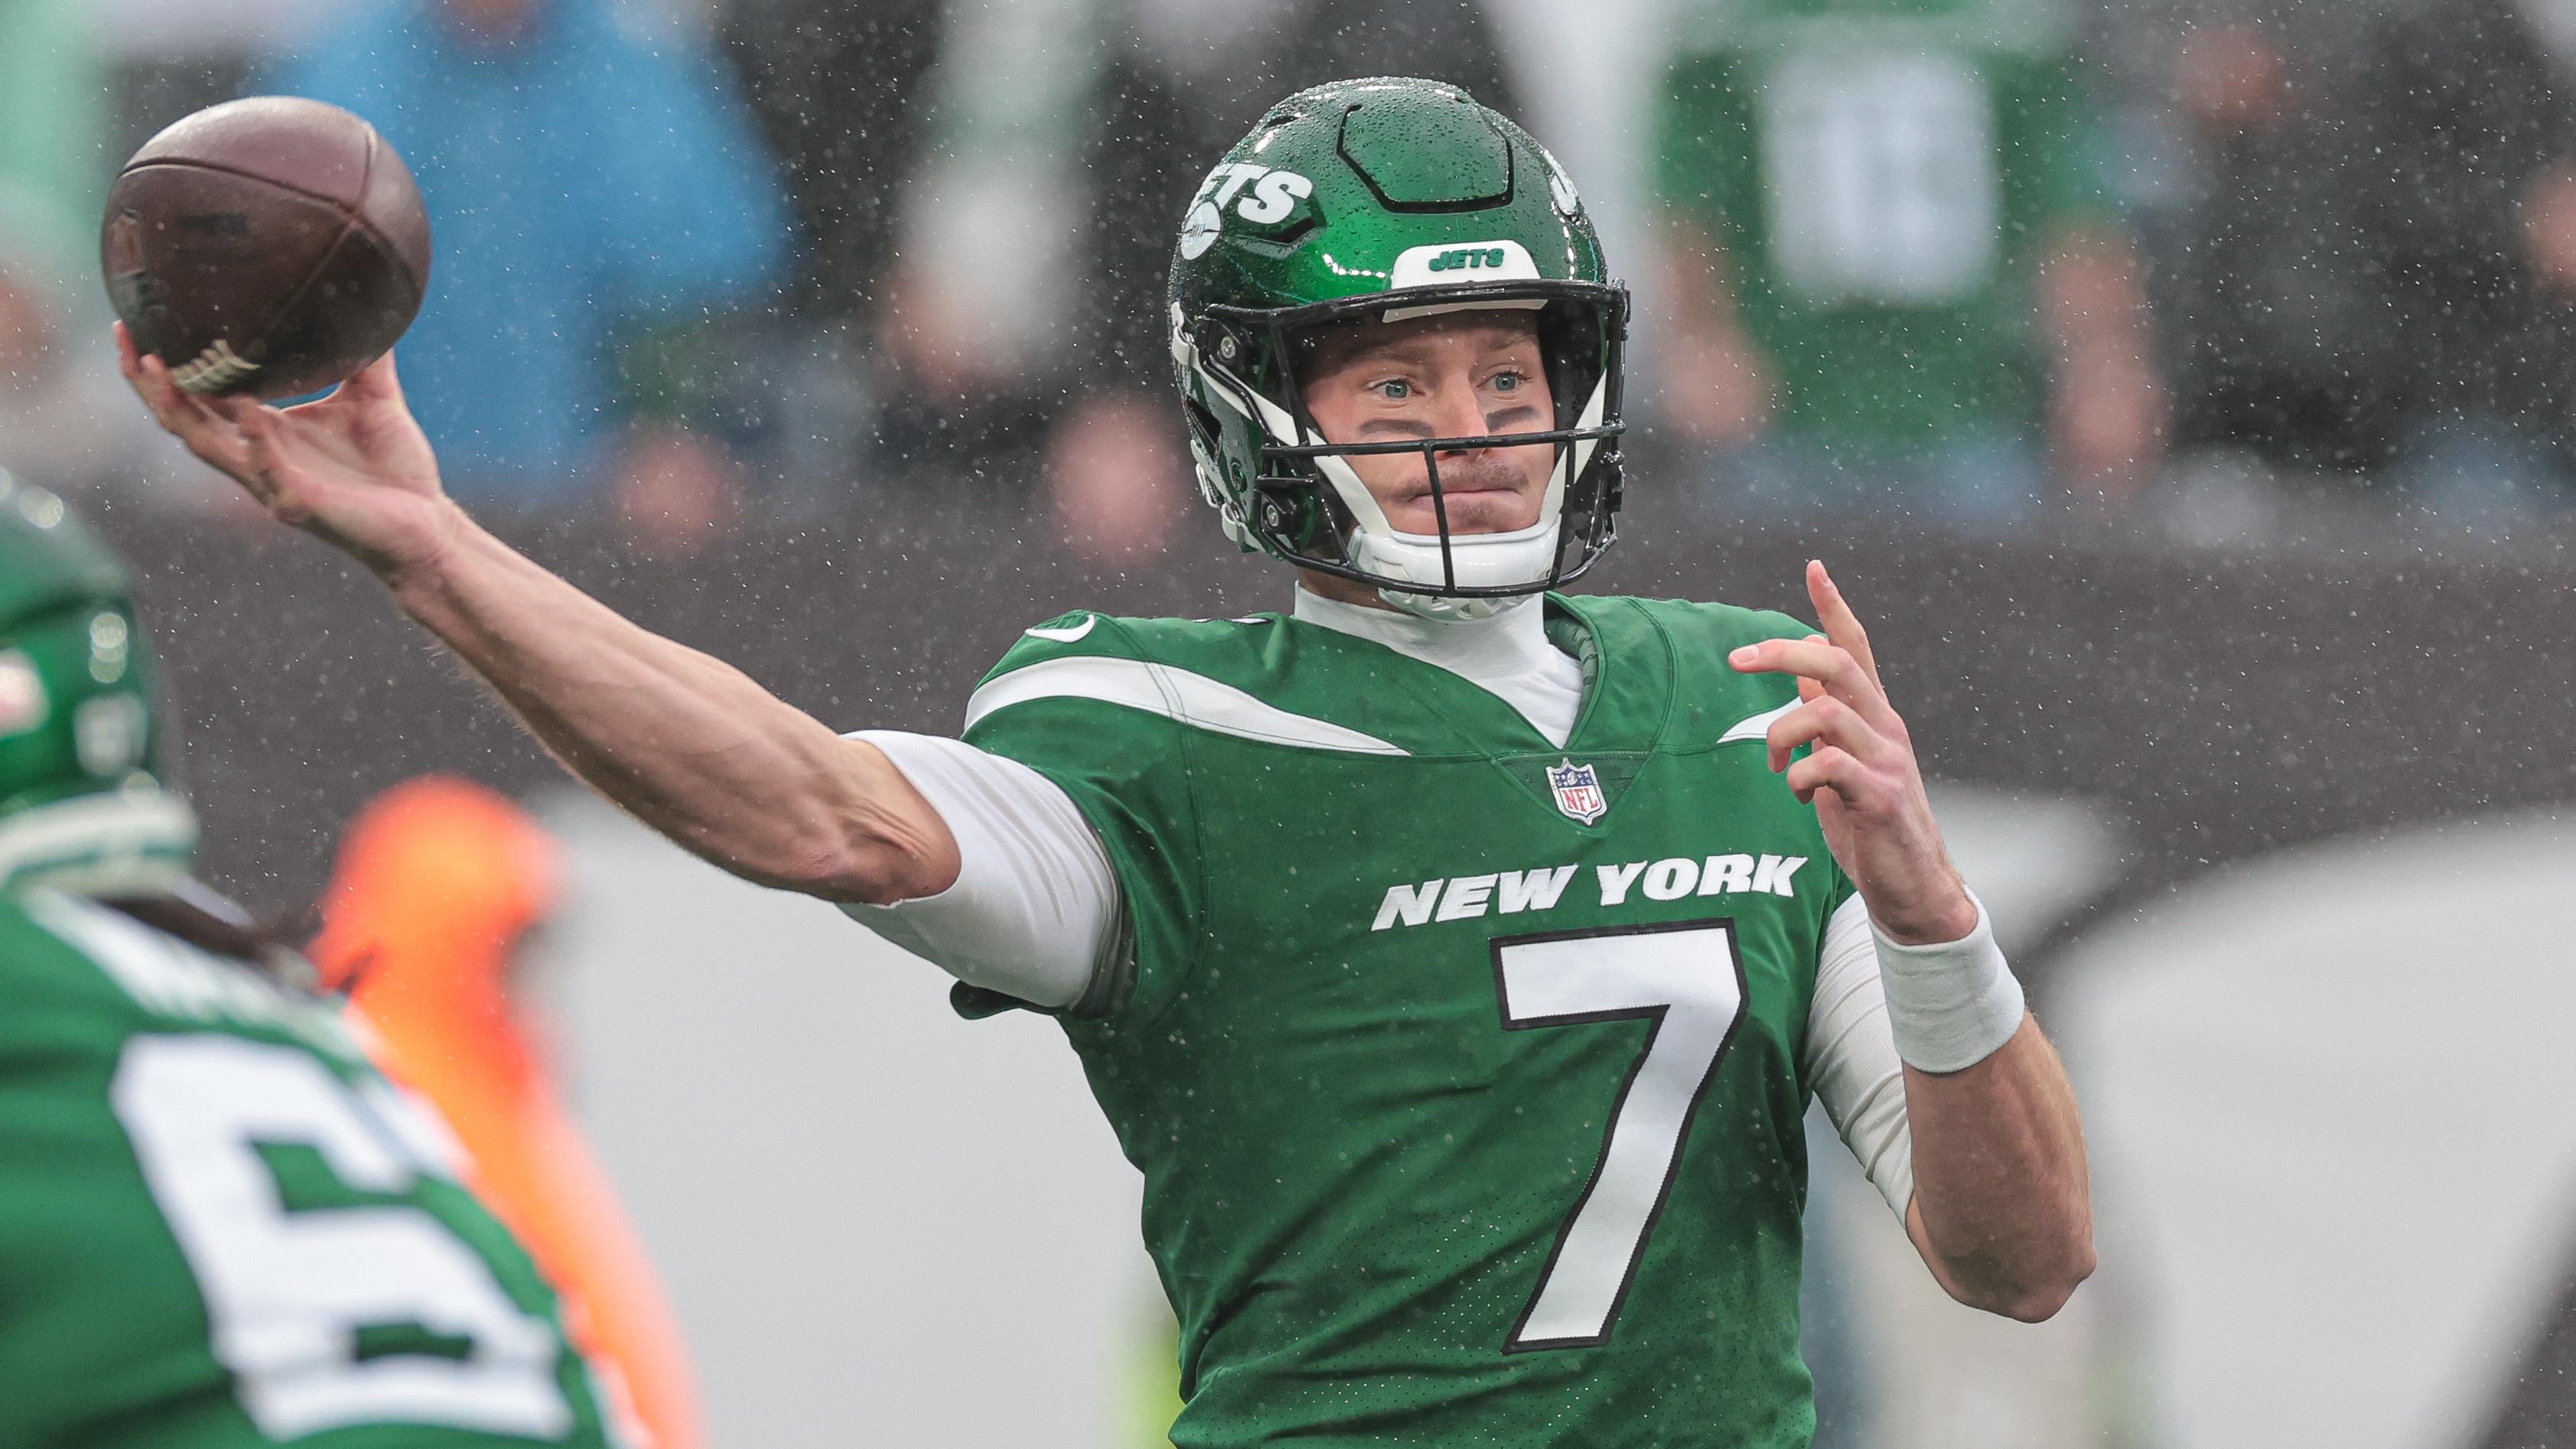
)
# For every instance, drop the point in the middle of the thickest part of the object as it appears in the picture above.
(839, 88)
(2461, 182)
(1893, 277)
(439, 884)
(597, 195)
(54, 423)
(2260, 281)
(976, 336)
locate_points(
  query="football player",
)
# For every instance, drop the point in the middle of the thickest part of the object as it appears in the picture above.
(1450, 952)
(219, 1227)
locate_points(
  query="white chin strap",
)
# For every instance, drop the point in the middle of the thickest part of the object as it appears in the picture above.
(1523, 557)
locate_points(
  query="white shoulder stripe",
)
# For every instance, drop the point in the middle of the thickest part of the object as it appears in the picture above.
(1754, 727)
(1177, 694)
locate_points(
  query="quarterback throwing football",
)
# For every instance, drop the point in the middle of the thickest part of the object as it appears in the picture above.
(1451, 954)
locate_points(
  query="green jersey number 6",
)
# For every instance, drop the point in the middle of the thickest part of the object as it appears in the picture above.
(287, 1292)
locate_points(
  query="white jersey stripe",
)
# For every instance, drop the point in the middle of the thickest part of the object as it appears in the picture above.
(1754, 727)
(1177, 694)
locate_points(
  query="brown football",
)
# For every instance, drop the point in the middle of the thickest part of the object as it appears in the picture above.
(270, 247)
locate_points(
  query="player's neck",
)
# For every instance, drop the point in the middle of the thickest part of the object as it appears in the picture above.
(1341, 590)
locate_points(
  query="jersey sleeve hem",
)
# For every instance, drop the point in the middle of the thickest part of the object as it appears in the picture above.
(1153, 846)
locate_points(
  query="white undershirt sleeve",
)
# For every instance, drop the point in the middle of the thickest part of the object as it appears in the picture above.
(1850, 1056)
(1035, 912)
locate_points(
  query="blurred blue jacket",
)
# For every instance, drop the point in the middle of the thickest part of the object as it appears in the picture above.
(583, 175)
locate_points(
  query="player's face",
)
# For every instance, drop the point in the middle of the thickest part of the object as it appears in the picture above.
(1460, 375)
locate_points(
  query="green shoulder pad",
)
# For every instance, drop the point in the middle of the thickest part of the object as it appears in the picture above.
(1198, 645)
(1715, 704)
(1087, 701)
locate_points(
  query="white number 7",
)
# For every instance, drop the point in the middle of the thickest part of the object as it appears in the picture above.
(1687, 980)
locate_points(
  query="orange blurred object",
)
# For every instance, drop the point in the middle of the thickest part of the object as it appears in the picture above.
(438, 881)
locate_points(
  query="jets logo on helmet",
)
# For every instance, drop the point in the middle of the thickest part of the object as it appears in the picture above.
(1382, 200)
(1273, 198)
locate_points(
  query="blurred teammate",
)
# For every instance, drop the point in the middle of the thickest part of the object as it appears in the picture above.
(219, 1227)
(1448, 952)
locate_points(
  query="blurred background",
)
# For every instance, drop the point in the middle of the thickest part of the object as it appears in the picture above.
(2185, 391)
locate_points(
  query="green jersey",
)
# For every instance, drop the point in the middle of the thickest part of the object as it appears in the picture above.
(221, 1229)
(1463, 1069)
(1883, 177)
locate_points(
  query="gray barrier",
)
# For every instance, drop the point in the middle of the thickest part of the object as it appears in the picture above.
(2223, 705)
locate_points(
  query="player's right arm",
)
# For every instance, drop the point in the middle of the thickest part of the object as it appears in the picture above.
(681, 740)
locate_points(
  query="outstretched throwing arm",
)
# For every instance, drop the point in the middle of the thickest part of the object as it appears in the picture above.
(683, 741)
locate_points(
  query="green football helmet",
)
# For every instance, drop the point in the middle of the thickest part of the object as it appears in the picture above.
(1387, 199)
(82, 804)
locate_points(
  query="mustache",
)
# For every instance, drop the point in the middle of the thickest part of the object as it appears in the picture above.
(1481, 470)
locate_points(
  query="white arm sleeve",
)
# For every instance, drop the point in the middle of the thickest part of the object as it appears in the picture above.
(1035, 910)
(1850, 1056)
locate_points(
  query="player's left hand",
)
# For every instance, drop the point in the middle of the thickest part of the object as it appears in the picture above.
(1861, 775)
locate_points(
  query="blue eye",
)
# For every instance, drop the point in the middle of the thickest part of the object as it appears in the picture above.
(1507, 382)
(1394, 389)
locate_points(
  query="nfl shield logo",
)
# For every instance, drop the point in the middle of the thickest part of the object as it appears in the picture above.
(1578, 791)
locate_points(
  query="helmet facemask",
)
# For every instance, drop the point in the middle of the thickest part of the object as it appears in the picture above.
(1308, 504)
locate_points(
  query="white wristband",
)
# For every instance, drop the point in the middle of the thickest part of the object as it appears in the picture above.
(1950, 1005)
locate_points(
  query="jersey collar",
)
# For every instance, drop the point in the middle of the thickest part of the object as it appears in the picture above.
(1626, 664)
(1507, 654)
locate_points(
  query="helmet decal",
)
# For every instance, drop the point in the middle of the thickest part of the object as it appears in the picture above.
(1266, 197)
(1499, 260)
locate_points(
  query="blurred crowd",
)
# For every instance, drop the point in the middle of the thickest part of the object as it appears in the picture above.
(1981, 263)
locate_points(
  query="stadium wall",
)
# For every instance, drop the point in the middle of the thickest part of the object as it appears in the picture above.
(2221, 705)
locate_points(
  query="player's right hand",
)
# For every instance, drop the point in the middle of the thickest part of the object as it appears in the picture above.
(351, 468)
